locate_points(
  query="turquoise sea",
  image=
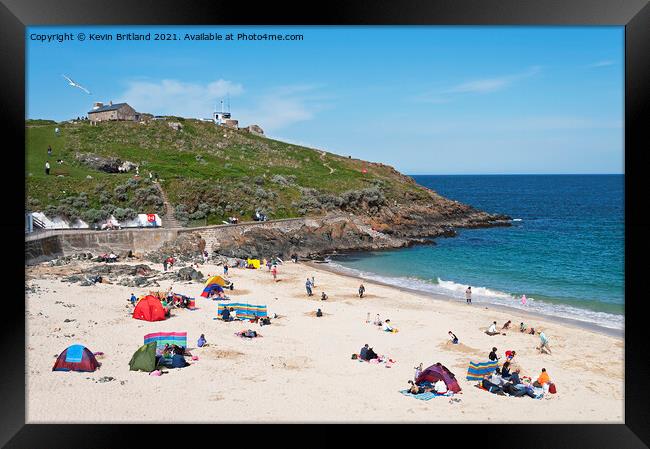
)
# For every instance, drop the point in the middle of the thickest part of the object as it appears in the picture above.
(565, 250)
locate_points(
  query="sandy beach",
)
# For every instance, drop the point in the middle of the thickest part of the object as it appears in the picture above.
(301, 369)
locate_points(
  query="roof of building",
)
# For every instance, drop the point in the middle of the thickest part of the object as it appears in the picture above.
(108, 107)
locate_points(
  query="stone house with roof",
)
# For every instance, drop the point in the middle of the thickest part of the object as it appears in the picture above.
(117, 111)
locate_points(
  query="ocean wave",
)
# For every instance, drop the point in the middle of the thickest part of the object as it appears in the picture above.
(485, 295)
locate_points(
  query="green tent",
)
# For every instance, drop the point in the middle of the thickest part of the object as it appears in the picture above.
(144, 359)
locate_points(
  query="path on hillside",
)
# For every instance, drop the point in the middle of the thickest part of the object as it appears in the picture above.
(322, 158)
(170, 220)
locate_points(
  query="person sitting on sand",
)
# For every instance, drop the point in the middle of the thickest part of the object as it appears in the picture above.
(440, 387)
(510, 355)
(387, 326)
(453, 337)
(493, 355)
(505, 370)
(496, 378)
(363, 353)
(319, 313)
(371, 354)
(492, 330)
(323, 296)
(522, 327)
(377, 321)
(532, 331)
(178, 361)
(265, 321)
(225, 314)
(514, 377)
(202, 341)
(544, 343)
(507, 325)
(362, 290)
(542, 379)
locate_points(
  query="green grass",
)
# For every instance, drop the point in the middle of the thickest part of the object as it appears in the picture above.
(201, 164)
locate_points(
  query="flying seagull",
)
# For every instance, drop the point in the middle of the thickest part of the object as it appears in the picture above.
(73, 84)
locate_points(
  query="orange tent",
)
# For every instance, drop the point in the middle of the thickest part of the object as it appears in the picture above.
(149, 308)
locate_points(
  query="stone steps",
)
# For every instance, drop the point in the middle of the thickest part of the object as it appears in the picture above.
(169, 221)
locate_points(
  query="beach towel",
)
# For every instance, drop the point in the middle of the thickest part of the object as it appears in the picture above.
(476, 371)
(425, 396)
(244, 311)
(163, 338)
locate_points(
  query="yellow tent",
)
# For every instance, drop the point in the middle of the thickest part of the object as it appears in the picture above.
(254, 262)
(216, 280)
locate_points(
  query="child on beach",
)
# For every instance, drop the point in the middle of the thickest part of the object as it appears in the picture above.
(522, 327)
(492, 330)
(507, 325)
(468, 295)
(274, 272)
(377, 321)
(493, 355)
(362, 290)
(202, 341)
(453, 337)
(323, 296)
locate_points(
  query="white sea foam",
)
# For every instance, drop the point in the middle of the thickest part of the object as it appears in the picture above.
(486, 295)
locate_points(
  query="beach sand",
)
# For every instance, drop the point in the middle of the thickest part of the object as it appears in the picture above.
(301, 369)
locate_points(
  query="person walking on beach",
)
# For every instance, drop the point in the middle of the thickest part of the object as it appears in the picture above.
(368, 318)
(47, 168)
(274, 272)
(308, 287)
(225, 269)
(362, 290)
(544, 340)
(468, 295)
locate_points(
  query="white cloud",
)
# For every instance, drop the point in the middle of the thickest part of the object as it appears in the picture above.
(604, 63)
(478, 86)
(284, 106)
(173, 97)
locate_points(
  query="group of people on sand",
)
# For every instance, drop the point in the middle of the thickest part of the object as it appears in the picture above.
(386, 324)
(544, 342)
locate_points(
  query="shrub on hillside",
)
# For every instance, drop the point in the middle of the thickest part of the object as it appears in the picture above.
(120, 193)
(93, 216)
(122, 214)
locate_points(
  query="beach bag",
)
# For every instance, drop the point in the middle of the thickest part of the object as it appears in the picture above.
(552, 389)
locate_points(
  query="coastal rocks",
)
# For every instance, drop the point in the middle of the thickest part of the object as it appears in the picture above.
(104, 164)
(185, 248)
(65, 260)
(189, 274)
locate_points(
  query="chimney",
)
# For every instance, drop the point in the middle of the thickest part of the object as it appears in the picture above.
(110, 103)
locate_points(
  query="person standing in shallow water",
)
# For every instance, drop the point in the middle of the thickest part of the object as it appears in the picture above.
(468, 295)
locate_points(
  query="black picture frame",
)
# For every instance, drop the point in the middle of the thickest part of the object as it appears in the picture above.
(15, 15)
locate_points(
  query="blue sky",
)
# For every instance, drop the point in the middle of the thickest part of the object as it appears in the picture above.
(427, 100)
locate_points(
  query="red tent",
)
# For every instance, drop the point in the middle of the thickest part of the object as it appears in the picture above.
(436, 372)
(149, 308)
(76, 358)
